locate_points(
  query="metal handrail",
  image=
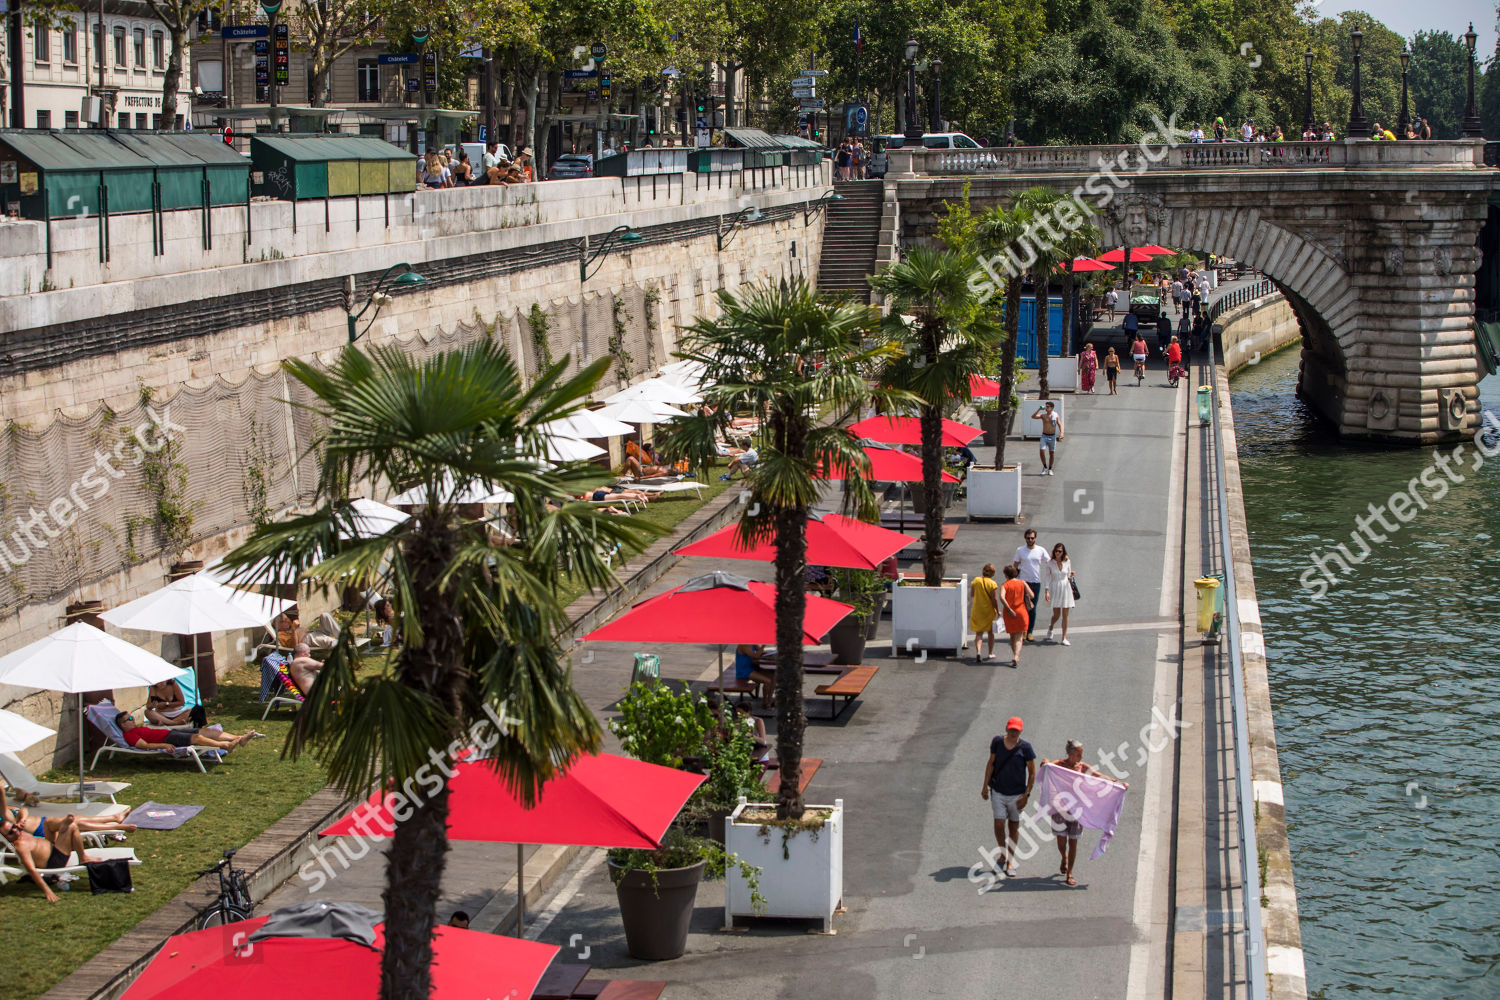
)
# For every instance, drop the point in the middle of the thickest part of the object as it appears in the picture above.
(1255, 952)
(1239, 296)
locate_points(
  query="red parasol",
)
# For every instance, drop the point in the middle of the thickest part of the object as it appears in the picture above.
(719, 608)
(980, 386)
(888, 465)
(908, 430)
(1136, 253)
(223, 963)
(832, 540)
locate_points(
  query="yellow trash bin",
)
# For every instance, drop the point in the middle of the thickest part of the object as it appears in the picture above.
(1208, 601)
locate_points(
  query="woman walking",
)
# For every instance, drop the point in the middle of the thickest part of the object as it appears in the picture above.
(1112, 371)
(984, 609)
(1014, 596)
(1057, 584)
(1065, 827)
(1088, 368)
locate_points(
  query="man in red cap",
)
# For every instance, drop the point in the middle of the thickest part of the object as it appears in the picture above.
(1008, 777)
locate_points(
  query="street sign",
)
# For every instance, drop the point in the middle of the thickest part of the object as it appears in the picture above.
(580, 74)
(232, 31)
(815, 72)
(419, 35)
(606, 88)
(814, 102)
(283, 55)
(269, 7)
(474, 51)
(228, 135)
(484, 133)
(598, 50)
(805, 81)
(856, 119)
(429, 70)
(398, 59)
(804, 92)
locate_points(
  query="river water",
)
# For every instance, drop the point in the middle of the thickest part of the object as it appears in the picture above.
(1386, 693)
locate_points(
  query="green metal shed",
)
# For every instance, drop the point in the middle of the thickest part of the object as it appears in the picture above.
(296, 167)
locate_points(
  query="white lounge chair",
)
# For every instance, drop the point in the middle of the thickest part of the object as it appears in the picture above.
(677, 487)
(11, 867)
(18, 775)
(102, 716)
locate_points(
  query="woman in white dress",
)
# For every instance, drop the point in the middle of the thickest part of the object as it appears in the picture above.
(1057, 583)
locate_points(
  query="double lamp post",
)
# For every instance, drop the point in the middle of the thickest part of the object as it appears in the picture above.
(913, 116)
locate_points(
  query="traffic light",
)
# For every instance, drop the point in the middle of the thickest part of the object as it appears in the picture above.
(650, 121)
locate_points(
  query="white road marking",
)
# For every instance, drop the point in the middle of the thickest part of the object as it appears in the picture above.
(539, 927)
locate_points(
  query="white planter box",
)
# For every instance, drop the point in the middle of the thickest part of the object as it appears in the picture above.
(1031, 427)
(1062, 374)
(804, 879)
(994, 492)
(930, 618)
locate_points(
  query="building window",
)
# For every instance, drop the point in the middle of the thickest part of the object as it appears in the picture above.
(70, 119)
(158, 50)
(44, 119)
(156, 122)
(140, 122)
(140, 48)
(369, 80)
(120, 47)
(177, 123)
(98, 44)
(70, 46)
(41, 45)
(123, 121)
(210, 75)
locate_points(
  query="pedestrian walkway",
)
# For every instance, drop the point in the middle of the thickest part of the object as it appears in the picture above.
(908, 761)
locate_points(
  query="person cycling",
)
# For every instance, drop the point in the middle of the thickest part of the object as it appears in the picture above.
(1138, 352)
(1174, 362)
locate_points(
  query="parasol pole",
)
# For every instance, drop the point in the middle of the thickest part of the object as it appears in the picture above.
(81, 797)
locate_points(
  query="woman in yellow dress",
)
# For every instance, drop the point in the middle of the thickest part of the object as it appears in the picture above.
(984, 610)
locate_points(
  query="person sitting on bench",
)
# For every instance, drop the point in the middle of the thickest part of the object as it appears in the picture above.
(761, 750)
(747, 668)
(146, 738)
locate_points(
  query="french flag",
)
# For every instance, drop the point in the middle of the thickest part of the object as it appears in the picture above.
(859, 39)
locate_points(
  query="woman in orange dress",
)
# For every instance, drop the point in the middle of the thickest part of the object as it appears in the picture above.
(1014, 594)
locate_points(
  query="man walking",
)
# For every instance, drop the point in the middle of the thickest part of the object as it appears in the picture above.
(1052, 431)
(1008, 776)
(1028, 562)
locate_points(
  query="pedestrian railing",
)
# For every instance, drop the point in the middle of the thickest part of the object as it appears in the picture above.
(1250, 887)
(1239, 296)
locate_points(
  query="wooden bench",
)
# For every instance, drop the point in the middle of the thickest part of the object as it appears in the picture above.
(850, 685)
(950, 532)
(730, 684)
(772, 779)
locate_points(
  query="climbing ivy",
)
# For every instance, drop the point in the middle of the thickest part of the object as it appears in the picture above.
(539, 324)
(653, 296)
(257, 485)
(622, 357)
(165, 481)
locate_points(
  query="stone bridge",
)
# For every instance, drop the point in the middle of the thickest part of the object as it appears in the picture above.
(1376, 245)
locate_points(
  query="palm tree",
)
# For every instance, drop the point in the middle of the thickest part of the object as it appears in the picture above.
(1042, 201)
(478, 617)
(942, 347)
(1080, 242)
(1000, 229)
(778, 351)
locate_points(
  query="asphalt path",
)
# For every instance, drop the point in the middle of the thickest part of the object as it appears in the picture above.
(908, 758)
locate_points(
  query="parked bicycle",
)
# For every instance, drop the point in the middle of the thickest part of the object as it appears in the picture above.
(234, 903)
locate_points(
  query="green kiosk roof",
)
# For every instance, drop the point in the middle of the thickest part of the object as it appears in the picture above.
(316, 148)
(94, 150)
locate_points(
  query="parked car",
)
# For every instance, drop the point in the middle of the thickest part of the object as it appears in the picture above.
(879, 161)
(572, 165)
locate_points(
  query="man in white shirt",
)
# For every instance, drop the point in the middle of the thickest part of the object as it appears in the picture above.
(1110, 298)
(1029, 560)
(1177, 295)
(1247, 131)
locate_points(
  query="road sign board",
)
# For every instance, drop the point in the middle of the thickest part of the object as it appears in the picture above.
(580, 74)
(804, 92)
(233, 31)
(398, 59)
(815, 72)
(598, 50)
(805, 81)
(814, 102)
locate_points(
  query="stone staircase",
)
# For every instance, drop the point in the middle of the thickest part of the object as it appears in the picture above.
(850, 234)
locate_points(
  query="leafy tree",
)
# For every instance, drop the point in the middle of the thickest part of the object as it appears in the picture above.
(478, 617)
(1379, 68)
(1439, 81)
(333, 28)
(937, 319)
(758, 356)
(1000, 229)
(178, 16)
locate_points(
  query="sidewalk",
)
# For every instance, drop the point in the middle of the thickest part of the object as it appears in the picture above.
(908, 759)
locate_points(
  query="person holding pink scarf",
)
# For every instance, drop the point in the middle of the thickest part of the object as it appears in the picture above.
(1071, 803)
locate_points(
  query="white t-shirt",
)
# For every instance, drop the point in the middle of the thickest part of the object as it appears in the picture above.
(1111, 296)
(1248, 131)
(1031, 560)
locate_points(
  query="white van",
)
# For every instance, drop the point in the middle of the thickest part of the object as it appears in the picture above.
(932, 140)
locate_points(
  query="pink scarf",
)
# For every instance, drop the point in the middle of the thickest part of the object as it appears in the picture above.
(1092, 801)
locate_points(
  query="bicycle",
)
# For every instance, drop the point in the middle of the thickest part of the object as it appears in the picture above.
(234, 903)
(1140, 369)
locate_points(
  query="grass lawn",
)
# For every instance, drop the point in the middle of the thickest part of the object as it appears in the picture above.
(241, 797)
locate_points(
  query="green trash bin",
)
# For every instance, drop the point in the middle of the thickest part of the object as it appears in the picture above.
(1205, 403)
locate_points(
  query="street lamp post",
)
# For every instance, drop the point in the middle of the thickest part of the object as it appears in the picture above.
(623, 234)
(937, 96)
(377, 297)
(1307, 115)
(1473, 128)
(1404, 122)
(1359, 125)
(913, 122)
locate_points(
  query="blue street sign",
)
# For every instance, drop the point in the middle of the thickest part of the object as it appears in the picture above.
(233, 31)
(484, 131)
(398, 59)
(580, 74)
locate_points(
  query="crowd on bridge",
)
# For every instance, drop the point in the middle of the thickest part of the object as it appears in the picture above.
(1248, 131)
(445, 168)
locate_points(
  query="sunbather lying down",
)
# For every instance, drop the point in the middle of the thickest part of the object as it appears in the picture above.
(37, 854)
(633, 467)
(14, 803)
(603, 493)
(147, 738)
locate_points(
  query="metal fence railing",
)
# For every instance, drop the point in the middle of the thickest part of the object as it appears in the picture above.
(1250, 887)
(1239, 296)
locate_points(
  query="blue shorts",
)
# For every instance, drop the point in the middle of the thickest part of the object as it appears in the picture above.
(1049, 442)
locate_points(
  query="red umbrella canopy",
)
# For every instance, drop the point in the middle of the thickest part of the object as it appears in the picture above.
(1136, 253)
(981, 386)
(1154, 250)
(601, 800)
(908, 430)
(1086, 264)
(717, 609)
(223, 963)
(888, 465)
(832, 540)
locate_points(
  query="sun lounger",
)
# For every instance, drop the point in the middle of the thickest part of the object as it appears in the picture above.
(11, 867)
(102, 716)
(680, 486)
(280, 689)
(18, 775)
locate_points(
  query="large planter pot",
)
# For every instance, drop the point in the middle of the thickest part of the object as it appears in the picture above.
(846, 641)
(1031, 427)
(994, 492)
(801, 874)
(656, 911)
(874, 622)
(932, 619)
(919, 497)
